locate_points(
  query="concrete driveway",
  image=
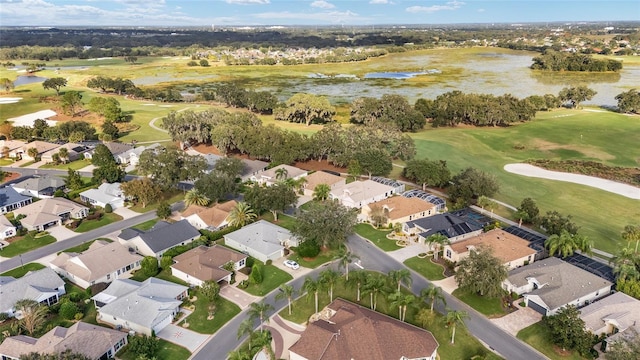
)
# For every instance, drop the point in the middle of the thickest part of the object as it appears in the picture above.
(237, 296)
(61, 233)
(183, 337)
(517, 320)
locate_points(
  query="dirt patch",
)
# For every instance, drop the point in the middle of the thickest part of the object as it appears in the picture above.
(544, 145)
(10, 176)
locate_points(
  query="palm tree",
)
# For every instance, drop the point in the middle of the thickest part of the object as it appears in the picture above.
(321, 192)
(401, 301)
(33, 314)
(33, 152)
(453, 318)
(281, 174)
(631, 233)
(432, 294)
(63, 152)
(194, 196)
(246, 328)
(484, 202)
(241, 215)
(566, 244)
(286, 292)
(400, 276)
(259, 311)
(436, 241)
(424, 317)
(374, 285)
(626, 264)
(263, 338)
(296, 184)
(345, 257)
(238, 355)
(312, 286)
(329, 278)
(358, 278)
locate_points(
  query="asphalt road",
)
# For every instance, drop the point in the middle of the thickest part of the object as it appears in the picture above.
(372, 258)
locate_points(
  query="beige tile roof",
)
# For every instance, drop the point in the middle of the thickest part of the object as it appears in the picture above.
(355, 332)
(41, 146)
(361, 190)
(90, 340)
(47, 210)
(205, 263)
(321, 177)
(213, 216)
(400, 206)
(292, 172)
(618, 308)
(505, 246)
(100, 259)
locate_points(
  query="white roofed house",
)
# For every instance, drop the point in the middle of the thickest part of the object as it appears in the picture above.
(105, 194)
(41, 146)
(144, 307)
(360, 193)
(617, 315)
(132, 156)
(261, 240)
(271, 176)
(43, 286)
(7, 229)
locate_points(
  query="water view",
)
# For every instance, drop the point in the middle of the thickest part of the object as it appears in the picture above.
(28, 79)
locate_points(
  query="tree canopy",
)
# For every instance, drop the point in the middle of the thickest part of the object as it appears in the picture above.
(54, 84)
(568, 330)
(563, 61)
(629, 101)
(306, 109)
(576, 94)
(471, 183)
(328, 223)
(481, 273)
(168, 166)
(427, 173)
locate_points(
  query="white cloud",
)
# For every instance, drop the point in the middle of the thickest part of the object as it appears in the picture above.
(481, 10)
(380, 2)
(451, 5)
(248, 2)
(332, 17)
(322, 4)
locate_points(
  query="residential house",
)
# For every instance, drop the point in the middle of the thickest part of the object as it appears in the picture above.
(74, 152)
(43, 286)
(29, 119)
(93, 341)
(41, 146)
(617, 316)
(398, 210)
(160, 238)
(551, 284)
(11, 148)
(453, 227)
(7, 229)
(105, 194)
(270, 176)
(211, 160)
(349, 331)
(441, 204)
(210, 218)
(132, 156)
(144, 307)
(50, 212)
(10, 200)
(42, 187)
(514, 251)
(206, 263)
(252, 168)
(119, 151)
(322, 177)
(102, 262)
(398, 187)
(360, 193)
(261, 240)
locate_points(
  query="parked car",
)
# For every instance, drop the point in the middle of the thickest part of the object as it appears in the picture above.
(291, 264)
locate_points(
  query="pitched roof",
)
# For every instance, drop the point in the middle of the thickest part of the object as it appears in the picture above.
(12, 144)
(117, 148)
(355, 332)
(560, 282)
(29, 286)
(41, 146)
(361, 190)
(5, 223)
(73, 149)
(292, 172)
(105, 193)
(262, 236)
(100, 259)
(205, 263)
(143, 303)
(164, 235)
(505, 246)
(39, 183)
(252, 166)
(321, 177)
(400, 206)
(47, 210)
(212, 216)
(618, 308)
(447, 224)
(88, 339)
(9, 195)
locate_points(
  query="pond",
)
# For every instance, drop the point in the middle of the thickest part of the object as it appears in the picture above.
(28, 79)
(399, 75)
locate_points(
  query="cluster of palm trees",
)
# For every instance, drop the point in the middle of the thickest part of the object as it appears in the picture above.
(241, 215)
(257, 339)
(627, 261)
(567, 243)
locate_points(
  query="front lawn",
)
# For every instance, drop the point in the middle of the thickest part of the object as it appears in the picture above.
(147, 225)
(106, 219)
(426, 268)
(167, 351)
(538, 336)
(85, 246)
(23, 270)
(225, 311)
(324, 257)
(272, 277)
(285, 221)
(170, 197)
(74, 165)
(490, 307)
(26, 244)
(376, 236)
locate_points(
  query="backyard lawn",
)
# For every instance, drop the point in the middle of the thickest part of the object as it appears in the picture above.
(285, 221)
(378, 237)
(88, 225)
(23, 270)
(537, 335)
(490, 307)
(170, 197)
(167, 351)
(272, 277)
(426, 268)
(225, 311)
(139, 275)
(26, 244)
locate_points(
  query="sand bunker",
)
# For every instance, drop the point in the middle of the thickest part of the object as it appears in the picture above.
(10, 100)
(625, 190)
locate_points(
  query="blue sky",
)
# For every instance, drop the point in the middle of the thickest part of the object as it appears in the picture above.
(307, 12)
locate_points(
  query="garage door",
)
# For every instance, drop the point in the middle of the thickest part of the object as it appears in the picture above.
(537, 307)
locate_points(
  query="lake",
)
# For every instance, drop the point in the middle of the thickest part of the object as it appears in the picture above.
(25, 80)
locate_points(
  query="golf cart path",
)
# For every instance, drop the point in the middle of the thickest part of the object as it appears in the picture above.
(625, 190)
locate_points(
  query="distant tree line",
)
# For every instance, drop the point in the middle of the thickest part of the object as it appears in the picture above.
(73, 131)
(564, 61)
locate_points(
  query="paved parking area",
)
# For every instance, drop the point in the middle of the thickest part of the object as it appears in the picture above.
(301, 271)
(237, 296)
(60, 232)
(182, 336)
(517, 320)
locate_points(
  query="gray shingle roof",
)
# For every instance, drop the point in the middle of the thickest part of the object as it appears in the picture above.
(39, 183)
(29, 286)
(163, 235)
(447, 224)
(9, 195)
(262, 236)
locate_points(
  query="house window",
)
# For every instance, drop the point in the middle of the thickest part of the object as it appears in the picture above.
(241, 263)
(449, 253)
(119, 271)
(108, 276)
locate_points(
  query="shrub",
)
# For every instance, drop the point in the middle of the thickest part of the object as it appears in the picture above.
(144, 345)
(76, 296)
(269, 262)
(256, 274)
(79, 316)
(108, 209)
(243, 284)
(4, 316)
(68, 310)
(250, 261)
(149, 266)
(309, 249)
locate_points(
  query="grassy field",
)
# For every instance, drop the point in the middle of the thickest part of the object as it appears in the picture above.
(485, 305)
(378, 237)
(537, 335)
(74, 165)
(26, 244)
(23, 270)
(225, 311)
(322, 258)
(272, 277)
(425, 268)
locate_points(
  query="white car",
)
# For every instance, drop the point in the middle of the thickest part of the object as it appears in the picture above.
(291, 264)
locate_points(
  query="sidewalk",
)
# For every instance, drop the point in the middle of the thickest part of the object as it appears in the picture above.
(284, 334)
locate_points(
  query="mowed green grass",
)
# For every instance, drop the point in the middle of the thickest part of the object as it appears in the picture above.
(563, 134)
